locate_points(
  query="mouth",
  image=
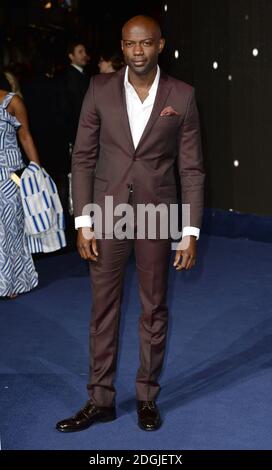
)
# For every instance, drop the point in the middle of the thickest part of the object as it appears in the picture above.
(139, 63)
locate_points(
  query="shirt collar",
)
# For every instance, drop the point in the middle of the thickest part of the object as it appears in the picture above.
(153, 88)
(80, 69)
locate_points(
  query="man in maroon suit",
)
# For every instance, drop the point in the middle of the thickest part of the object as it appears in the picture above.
(134, 125)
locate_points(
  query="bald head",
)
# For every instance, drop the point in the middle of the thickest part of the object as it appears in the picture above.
(142, 21)
(142, 43)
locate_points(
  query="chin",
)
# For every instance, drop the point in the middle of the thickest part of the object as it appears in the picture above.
(139, 70)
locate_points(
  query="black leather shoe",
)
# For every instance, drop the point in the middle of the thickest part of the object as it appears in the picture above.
(88, 415)
(148, 415)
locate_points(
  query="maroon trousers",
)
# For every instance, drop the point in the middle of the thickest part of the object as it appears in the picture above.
(152, 264)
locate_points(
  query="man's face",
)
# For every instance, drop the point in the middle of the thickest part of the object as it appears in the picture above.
(79, 56)
(141, 45)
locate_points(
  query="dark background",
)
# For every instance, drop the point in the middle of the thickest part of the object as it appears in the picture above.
(235, 114)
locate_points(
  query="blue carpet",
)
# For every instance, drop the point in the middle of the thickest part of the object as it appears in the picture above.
(217, 380)
(233, 224)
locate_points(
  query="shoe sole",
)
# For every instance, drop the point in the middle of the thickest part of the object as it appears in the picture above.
(105, 419)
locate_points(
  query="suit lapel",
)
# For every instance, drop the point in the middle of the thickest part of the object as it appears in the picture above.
(122, 106)
(161, 96)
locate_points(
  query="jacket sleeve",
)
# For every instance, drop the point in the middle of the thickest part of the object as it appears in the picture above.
(85, 152)
(190, 163)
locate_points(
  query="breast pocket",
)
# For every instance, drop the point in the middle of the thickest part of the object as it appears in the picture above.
(169, 121)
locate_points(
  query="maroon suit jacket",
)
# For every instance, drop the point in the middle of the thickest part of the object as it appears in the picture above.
(105, 161)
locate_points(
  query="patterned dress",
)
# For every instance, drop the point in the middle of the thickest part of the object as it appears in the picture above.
(17, 271)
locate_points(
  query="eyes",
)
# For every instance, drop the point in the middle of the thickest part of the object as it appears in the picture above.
(145, 43)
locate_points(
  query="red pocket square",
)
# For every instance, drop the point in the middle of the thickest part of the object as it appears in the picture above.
(169, 111)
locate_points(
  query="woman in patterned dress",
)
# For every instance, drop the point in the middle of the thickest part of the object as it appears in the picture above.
(17, 271)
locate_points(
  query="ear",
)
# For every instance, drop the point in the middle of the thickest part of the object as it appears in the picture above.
(122, 44)
(71, 57)
(161, 44)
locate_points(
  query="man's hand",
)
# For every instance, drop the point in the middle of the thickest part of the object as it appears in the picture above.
(86, 244)
(186, 253)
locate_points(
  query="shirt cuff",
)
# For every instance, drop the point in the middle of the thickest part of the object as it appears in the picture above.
(83, 221)
(191, 231)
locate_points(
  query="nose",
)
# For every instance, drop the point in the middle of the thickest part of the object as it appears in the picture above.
(138, 50)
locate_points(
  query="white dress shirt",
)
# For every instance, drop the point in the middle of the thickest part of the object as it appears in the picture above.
(138, 115)
(138, 112)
